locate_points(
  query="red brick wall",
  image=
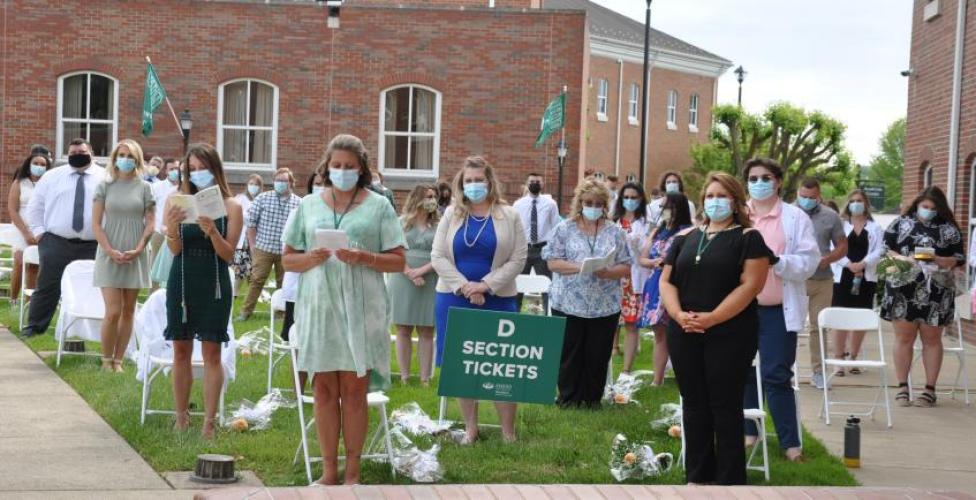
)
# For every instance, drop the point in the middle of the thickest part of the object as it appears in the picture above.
(499, 4)
(666, 149)
(494, 89)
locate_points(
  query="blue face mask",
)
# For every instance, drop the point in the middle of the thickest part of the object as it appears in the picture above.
(760, 190)
(201, 178)
(318, 189)
(125, 165)
(280, 187)
(342, 179)
(925, 214)
(805, 203)
(253, 189)
(631, 205)
(592, 213)
(856, 207)
(718, 209)
(37, 170)
(672, 187)
(476, 191)
(173, 175)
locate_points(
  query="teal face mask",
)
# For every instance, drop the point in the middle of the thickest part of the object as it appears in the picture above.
(760, 190)
(718, 209)
(807, 204)
(592, 213)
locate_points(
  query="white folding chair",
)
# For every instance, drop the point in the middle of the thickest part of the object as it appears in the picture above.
(155, 355)
(82, 307)
(533, 285)
(843, 318)
(757, 416)
(31, 257)
(274, 342)
(376, 400)
(954, 346)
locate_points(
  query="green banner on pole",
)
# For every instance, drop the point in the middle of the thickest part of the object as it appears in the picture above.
(501, 356)
(154, 96)
(553, 119)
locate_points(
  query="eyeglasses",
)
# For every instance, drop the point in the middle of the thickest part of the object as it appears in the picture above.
(756, 178)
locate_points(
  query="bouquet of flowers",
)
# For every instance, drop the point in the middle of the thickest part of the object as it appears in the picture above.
(897, 272)
(636, 460)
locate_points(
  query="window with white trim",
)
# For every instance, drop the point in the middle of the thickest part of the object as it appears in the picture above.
(927, 174)
(672, 109)
(410, 130)
(632, 104)
(247, 124)
(970, 270)
(693, 113)
(603, 89)
(88, 107)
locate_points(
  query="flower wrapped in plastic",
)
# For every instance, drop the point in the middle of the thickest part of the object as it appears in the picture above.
(636, 460)
(897, 272)
(254, 342)
(419, 465)
(412, 419)
(670, 416)
(257, 416)
(623, 390)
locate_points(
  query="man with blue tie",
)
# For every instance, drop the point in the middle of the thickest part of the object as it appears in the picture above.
(60, 217)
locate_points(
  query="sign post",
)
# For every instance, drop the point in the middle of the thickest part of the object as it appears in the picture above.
(500, 356)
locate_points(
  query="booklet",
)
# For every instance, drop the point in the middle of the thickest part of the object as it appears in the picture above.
(207, 203)
(333, 239)
(589, 266)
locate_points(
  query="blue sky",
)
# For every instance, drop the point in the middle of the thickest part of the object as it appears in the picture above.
(842, 57)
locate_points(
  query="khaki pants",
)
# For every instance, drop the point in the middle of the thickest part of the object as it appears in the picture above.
(820, 293)
(261, 264)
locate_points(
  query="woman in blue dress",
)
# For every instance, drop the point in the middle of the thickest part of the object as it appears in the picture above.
(479, 249)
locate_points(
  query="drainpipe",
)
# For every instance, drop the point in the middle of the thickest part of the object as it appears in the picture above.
(956, 102)
(620, 102)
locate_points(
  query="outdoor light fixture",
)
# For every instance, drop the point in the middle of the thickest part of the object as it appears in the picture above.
(740, 76)
(333, 6)
(908, 72)
(186, 124)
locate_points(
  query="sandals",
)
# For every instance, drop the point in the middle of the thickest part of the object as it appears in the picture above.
(927, 398)
(902, 398)
(182, 422)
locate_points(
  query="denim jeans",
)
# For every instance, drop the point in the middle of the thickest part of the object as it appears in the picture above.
(777, 353)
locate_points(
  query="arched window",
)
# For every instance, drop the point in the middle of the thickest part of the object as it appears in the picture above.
(88, 107)
(410, 131)
(247, 124)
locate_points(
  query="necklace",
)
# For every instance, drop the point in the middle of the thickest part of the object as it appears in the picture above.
(484, 223)
(337, 219)
(702, 245)
(592, 242)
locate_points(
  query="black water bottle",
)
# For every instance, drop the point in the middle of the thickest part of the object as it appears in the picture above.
(852, 443)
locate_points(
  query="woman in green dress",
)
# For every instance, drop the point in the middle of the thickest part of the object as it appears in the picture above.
(412, 291)
(123, 216)
(198, 293)
(342, 315)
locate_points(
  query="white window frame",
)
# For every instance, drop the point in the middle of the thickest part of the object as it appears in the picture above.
(602, 94)
(672, 110)
(693, 113)
(966, 312)
(248, 166)
(633, 107)
(59, 141)
(927, 176)
(409, 173)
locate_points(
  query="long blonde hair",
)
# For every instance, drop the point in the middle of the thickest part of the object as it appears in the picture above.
(112, 172)
(462, 206)
(414, 212)
(589, 187)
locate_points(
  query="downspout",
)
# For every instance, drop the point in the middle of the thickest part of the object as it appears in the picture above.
(956, 102)
(620, 102)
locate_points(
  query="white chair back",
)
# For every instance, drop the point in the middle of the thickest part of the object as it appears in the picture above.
(278, 300)
(845, 318)
(32, 255)
(532, 284)
(78, 293)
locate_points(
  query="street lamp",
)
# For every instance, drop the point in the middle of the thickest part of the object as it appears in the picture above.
(561, 157)
(647, 63)
(186, 124)
(740, 75)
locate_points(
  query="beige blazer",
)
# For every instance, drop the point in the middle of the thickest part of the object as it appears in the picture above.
(510, 252)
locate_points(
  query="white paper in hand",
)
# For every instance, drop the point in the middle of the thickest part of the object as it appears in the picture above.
(591, 265)
(332, 239)
(207, 203)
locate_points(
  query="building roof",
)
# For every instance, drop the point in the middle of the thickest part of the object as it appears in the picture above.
(608, 23)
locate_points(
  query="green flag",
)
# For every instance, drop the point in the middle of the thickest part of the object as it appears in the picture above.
(153, 97)
(553, 119)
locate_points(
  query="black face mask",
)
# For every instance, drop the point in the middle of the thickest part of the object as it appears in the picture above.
(535, 187)
(79, 160)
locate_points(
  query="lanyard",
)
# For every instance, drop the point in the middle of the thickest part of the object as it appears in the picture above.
(337, 219)
(592, 243)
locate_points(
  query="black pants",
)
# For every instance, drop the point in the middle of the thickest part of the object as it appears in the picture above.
(289, 319)
(711, 373)
(535, 261)
(586, 352)
(55, 254)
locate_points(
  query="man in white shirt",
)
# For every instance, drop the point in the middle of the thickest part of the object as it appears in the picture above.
(60, 217)
(161, 191)
(540, 214)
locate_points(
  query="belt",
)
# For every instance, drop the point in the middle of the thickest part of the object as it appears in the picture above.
(538, 245)
(72, 240)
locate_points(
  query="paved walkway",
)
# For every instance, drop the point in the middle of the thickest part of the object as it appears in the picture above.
(927, 448)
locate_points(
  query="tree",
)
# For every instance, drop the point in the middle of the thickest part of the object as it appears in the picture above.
(888, 166)
(804, 143)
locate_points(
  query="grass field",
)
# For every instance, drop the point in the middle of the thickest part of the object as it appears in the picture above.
(554, 446)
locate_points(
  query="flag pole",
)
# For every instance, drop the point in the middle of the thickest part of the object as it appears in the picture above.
(561, 153)
(170, 105)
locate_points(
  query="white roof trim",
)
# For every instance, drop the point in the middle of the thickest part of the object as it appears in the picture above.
(660, 58)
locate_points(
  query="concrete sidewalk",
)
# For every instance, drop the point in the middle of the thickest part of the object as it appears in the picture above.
(927, 448)
(53, 445)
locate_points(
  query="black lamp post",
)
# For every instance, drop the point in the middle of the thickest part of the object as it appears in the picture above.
(644, 118)
(186, 124)
(740, 75)
(561, 151)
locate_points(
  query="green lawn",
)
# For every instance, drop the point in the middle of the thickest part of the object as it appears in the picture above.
(555, 446)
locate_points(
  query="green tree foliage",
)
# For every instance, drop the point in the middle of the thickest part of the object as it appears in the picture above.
(805, 143)
(888, 167)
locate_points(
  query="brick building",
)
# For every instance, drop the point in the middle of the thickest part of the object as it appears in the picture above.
(937, 152)
(425, 83)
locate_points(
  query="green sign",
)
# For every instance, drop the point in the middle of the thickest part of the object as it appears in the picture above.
(501, 356)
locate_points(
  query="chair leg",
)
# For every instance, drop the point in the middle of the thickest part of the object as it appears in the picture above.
(64, 334)
(303, 445)
(271, 352)
(884, 389)
(145, 398)
(220, 402)
(765, 449)
(442, 408)
(799, 423)
(965, 376)
(387, 441)
(826, 402)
